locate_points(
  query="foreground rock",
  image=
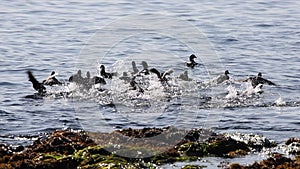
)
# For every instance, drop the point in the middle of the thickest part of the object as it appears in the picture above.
(278, 161)
(128, 148)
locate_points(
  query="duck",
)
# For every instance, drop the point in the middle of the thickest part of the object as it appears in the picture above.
(76, 78)
(51, 80)
(87, 81)
(105, 74)
(36, 84)
(161, 76)
(98, 80)
(125, 77)
(145, 70)
(134, 68)
(192, 62)
(255, 81)
(135, 86)
(184, 76)
(223, 77)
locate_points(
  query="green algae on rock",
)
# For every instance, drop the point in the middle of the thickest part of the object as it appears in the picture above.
(75, 149)
(277, 161)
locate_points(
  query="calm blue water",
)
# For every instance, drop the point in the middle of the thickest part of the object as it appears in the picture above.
(248, 37)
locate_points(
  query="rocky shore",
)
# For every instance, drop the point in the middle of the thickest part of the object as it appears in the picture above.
(141, 148)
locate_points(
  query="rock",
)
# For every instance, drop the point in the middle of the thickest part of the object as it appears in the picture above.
(76, 149)
(277, 161)
(292, 140)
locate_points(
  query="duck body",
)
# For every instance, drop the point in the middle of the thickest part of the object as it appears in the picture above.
(135, 86)
(98, 80)
(255, 81)
(184, 76)
(192, 62)
(222, 78)
(161, 76)
(77, 78)
(51, 80)
(134, 68)
(105, 74)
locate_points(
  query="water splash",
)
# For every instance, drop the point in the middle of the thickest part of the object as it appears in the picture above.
(280, 102)
(232, 92)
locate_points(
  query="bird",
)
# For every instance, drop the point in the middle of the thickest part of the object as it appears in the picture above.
(222, 78)
(105, 74)
(88, 75)
(125, 77)
(51, 80)
(76, 78)
(134, 68)
(145, 70)
(98, 80)
(192, 62)
(35, 84)
(184, 76)
(161, 76)
(135, 86)
(255, 81)
(87, 81)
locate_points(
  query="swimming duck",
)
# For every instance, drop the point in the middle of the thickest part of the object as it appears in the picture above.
(184, 76)
(76, 78)
(88, 75)
(98, 80)
(161, 76)
(192, 62)
(35, 84)
(134, 68)
(104, 74)
(145, 70)
(135, 86)
(222, 77)
(87, 81)
(51, 80)
(255, 81)
(125, 77)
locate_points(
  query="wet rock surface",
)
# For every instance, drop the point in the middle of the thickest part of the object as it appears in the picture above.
(129, 148)
(277, 161)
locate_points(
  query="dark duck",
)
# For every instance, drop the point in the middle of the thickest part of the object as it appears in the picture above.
(51, 80)
(35, 84)
(125, 77)
(135, 86)
(134, 68)
(255, 81)
(105, 74)
(77, 78)
(98, 80)
(223, 77)
(87, 81)
(145, 70)
(161, 76)
(184, 76)
(192, 62)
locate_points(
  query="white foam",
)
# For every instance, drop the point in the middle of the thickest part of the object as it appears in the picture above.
(280, 102)
(232, 92)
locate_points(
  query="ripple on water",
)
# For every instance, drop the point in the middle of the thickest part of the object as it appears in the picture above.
(248, 37)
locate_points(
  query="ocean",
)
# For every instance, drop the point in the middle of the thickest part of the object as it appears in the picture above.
(65, 36)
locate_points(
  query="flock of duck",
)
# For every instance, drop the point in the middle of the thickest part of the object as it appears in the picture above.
(130, 77)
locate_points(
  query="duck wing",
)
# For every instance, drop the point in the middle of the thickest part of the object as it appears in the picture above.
(35, 84)
(265, 81)
(155, 71)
